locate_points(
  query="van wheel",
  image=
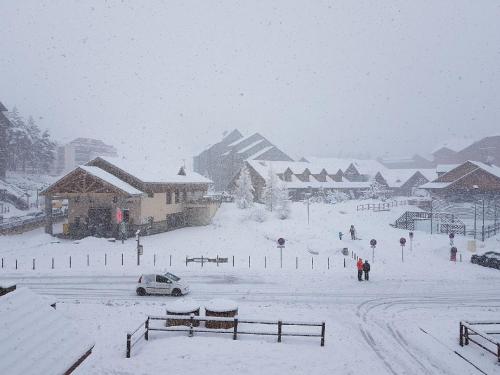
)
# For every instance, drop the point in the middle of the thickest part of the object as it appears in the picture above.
(141, 292)
(176, 293)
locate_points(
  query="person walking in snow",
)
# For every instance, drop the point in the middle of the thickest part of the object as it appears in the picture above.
(340, 235)
(359, 265)
(353, 232)
(366, 270)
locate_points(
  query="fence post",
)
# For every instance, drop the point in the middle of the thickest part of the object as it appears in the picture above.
(202, 261)
(498, 351)
(296, 263)
(265, 261)
(312, 263)
(466, 336)
(191, 321)
(88, 261)
(186, 261)
(279, 330)
(16, 264)
(328, 262)
(105, 259)
(52, 263)
(235, 331)
(233, 261)
(170, 260)
(154, 260)
(146, 333)
(33, 263)
(217, 260)
(2, 262)
(249, 261)
(128, 345)
(323, 334)
(461, 339)
(70, 261)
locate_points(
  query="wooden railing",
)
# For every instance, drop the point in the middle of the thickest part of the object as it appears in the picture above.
(383, 206)
(468, 329)
(236, 330)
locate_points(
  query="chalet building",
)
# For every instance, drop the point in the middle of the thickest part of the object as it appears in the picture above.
(145, 197)
(486, 150)
(4, 122)
(405, 182)
(468, 181)
(223, 160)
(78, 152)
(36, 338)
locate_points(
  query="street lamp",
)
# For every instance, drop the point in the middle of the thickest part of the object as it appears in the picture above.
(309, 193)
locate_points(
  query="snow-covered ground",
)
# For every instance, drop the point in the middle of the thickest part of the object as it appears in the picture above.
(403, 321)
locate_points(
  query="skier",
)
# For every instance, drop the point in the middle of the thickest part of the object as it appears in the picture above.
(366, 269)
(359, 264)
(353, 232)
(340, 235)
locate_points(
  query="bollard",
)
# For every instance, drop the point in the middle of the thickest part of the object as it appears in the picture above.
(33, 263)
(70, 261)
(249, 261)
(122, 259)
(233, 261)
(52, 263)
(2, 262)
(265, 262)
(328, 262)
(16, 264)
(154, 260)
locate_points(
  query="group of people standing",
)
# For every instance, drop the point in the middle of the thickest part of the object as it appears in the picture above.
(363, 268)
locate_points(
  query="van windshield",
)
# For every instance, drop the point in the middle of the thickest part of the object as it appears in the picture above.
(171, 276)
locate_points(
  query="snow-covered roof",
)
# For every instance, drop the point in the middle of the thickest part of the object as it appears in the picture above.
(11, 189)
(260, 153)
(154, 173)
(454, 144)
(493, 169)
(398, 177)
(250, 146)
(35, 338)
(111, 179)
(237, 142)
(444, 168)
(368, 166)
(332, 165)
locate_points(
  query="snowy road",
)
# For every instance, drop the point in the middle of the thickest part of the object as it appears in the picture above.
(381, 317)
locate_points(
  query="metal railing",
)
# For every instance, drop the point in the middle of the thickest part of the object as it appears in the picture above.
(380, 206)
(235, 330)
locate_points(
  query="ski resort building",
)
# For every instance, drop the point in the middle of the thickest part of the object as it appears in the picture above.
(222, 161)
(78, 152)
(108, 191)
(468, 181)
(37, 339)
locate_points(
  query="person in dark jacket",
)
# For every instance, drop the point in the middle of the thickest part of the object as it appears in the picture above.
(353, 232)
(359, 265)
(366, 270)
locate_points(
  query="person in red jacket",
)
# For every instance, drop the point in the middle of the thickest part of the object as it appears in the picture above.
(359, 264)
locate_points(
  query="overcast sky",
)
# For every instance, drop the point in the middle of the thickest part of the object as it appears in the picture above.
(166, 78)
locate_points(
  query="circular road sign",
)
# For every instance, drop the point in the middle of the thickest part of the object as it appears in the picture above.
(281, 241)
(373, 242)
(402, 241)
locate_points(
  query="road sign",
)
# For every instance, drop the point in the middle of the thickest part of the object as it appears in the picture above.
(452, 235)
(373, 242)
(140, 250)
(402, 241)
(281, 242)
(411, 235)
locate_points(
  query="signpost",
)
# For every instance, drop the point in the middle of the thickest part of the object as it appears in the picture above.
(139, 247)
(402, 241)
(373, 244)
(411, 241)
(281, 245)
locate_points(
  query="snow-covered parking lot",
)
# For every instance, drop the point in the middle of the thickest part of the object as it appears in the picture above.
(403, 321)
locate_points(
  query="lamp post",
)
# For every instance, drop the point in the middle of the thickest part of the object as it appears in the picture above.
(309, 193)
(482, 229)
(432, 200)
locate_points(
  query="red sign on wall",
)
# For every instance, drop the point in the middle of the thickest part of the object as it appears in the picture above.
(119, 215)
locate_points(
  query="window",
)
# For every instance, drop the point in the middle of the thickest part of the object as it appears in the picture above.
(162, 279)
(169, 197)
(150, 195)
(177, 196)
(126, 216)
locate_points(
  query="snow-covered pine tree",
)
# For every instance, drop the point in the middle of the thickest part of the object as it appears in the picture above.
(244, 189)
(271, 190)
(335, 196)
(283, 209)
(375, 191)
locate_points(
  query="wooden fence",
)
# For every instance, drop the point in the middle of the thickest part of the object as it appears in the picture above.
(383, 206)
(469, 333)
(143, 330)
